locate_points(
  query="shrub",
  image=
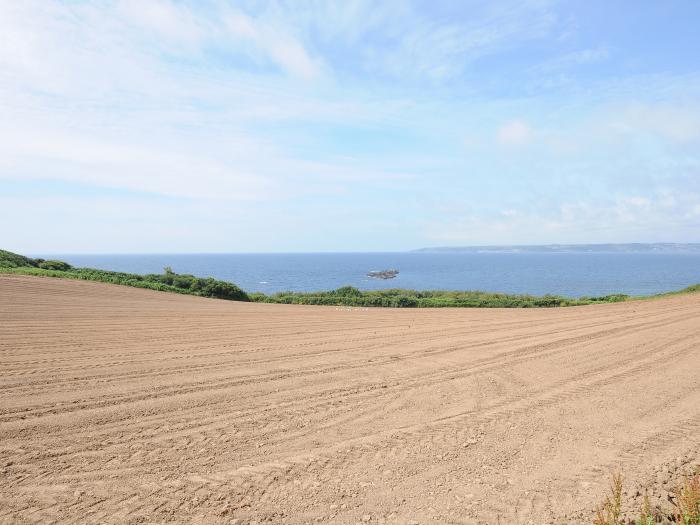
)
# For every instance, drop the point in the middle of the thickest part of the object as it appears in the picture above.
(168, 281)
(183, 281)
(609, 512)
(686, 503)
(222, 290)
(55, 265)
(549, 301)
(347, 291)
(688, 500)
(14, 260)
(168, 276)
(403, 301)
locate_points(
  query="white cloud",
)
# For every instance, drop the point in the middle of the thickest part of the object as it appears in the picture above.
(587, 56)
(677, 124)
(87, 97)
(438, 49)
(625, 218)
(515, 133)
(274, 41)
(403, 39)
(166, 23)
(574, 58)
(56, 47)
(281, 103)
(117, 162)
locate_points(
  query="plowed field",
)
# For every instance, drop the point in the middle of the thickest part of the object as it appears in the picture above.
(121, 405)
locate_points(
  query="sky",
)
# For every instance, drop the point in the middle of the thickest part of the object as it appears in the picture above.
(307, 126)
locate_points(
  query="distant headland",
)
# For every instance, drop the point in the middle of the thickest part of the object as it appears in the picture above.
(658, 247)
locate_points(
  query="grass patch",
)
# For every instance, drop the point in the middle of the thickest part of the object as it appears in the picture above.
(684, 511)
(168, 281)
(689, 289)
(688, 500)
(609, 512)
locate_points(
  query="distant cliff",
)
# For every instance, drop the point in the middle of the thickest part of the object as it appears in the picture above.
(658, 247)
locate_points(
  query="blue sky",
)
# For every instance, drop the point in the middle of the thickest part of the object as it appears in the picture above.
(167, 126)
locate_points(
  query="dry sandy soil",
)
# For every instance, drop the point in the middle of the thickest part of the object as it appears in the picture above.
(120, 405)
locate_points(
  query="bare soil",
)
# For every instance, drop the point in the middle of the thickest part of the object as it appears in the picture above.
(120, 405)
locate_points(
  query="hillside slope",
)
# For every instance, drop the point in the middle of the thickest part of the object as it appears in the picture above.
(120, 405)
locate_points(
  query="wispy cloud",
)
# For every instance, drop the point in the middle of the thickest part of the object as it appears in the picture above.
(399, 113)
(442, 48)
(678, 124)
(515, 133)
(632, 218)
(274, 42)
(573, 59)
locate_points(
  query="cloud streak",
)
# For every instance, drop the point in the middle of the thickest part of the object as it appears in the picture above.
(347, 115)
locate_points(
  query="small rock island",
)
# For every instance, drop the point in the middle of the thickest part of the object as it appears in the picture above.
(384, 274)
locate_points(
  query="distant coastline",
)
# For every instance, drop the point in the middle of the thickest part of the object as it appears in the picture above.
(659, 247)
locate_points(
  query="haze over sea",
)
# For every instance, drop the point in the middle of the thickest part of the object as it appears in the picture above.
(568, 274)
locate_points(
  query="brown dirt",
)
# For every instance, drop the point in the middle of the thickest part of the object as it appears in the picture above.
(120, 405)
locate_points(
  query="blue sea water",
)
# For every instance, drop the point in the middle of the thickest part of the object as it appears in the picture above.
(568, 274)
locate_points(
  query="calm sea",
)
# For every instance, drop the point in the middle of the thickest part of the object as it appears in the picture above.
(569, 274)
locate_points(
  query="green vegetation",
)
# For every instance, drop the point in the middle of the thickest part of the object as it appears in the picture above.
(167, 282)
(12, 260)
(690, 289)
(688, 500)
(610, 511)
(349, 296)
(54, 265)
(685, 510)
(346, 296)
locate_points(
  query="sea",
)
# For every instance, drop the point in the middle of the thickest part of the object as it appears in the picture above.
(567, 274)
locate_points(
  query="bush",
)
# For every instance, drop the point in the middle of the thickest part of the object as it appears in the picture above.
(55, 265)
(13, 260)
(549, 301)
(222, 290)
(403, 301)
(169, 281)
(183, 281)
(347, 291)
(168, 276)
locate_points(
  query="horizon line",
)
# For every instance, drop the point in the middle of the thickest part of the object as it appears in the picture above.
(410, 250)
